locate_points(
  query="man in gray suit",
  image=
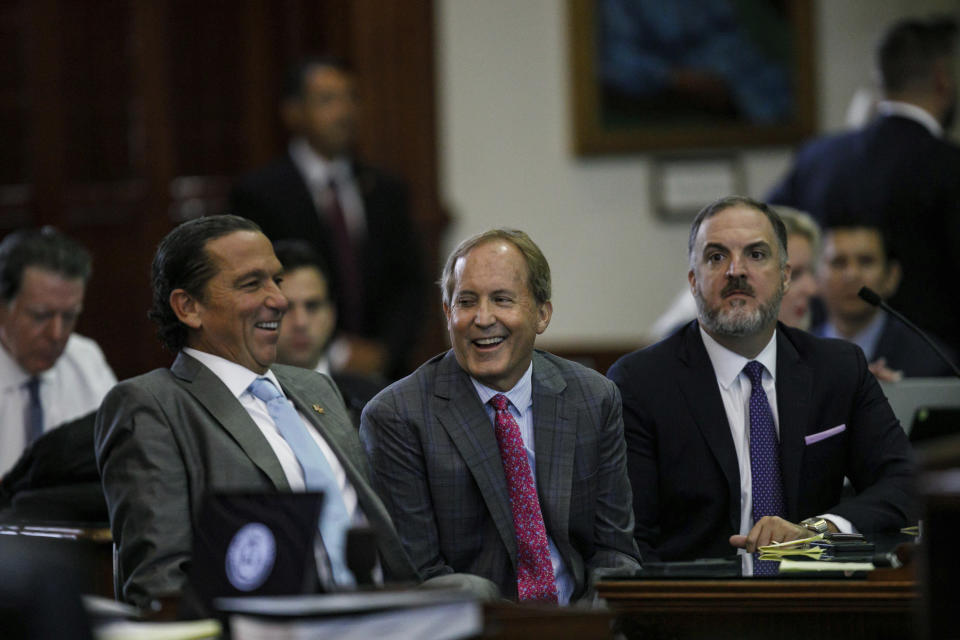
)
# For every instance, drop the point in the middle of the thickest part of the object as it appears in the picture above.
(167, 438)
(496, 459)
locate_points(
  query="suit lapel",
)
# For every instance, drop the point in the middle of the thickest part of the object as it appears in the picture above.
(794, 385)
(698, 386)
(554, 440)
(209, 391)
(459, 411)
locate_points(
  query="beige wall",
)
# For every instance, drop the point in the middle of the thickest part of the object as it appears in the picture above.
(505, 159)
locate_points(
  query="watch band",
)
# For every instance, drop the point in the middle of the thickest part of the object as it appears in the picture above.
(816, 525)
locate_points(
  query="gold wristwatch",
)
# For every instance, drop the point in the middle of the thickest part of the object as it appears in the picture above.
(816, 525)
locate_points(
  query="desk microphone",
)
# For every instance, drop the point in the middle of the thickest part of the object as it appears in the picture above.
(872, 297)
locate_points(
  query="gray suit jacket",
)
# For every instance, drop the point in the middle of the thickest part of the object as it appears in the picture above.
(438, 469)
(165, 439)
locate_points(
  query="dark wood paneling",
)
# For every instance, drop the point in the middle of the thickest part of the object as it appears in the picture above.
(121, 118)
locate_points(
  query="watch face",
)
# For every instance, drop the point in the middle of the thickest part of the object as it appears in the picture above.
(818, 525)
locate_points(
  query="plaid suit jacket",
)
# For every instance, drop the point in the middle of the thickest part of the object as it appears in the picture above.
(438, 469)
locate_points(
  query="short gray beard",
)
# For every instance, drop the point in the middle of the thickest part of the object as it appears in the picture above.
(737, 322)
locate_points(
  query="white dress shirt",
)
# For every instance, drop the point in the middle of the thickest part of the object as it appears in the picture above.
(73, 387)
(522, 396)
(318, 172)
(912, 112)
(735, 389)
(237, 379)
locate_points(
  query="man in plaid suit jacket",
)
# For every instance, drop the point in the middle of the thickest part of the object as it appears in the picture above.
(434, 448)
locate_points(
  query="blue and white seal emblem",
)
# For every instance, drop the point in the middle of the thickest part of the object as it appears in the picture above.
(250, 556)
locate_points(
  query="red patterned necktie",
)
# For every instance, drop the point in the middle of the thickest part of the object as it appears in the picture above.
(535, 579)
(348, 258)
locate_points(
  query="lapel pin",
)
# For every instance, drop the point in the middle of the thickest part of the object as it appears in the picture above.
(318, 409)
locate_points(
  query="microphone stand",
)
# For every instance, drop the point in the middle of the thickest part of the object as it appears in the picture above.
(870, 296)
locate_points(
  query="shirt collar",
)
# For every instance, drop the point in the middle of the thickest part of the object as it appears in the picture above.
(521, 396)
(323, 366)
(727, 365)
(866, 339)
(235, 376)
(12, 374)
(316, 169)
(911, 112)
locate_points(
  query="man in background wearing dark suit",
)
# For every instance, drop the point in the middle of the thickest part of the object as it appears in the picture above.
(496, 459)
(353, 214)
(308, 325)
(899, 173)
(859, 256)
(738, 428)
(224, 417)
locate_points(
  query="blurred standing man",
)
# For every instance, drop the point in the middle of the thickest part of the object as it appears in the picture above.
(223, 417)
(739, 429)
(496, 459)
(899, 173)
(355, 215)
(308, 325)
(856, 257)
(48, 374)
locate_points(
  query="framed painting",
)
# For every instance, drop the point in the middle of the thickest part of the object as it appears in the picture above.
(690, 74)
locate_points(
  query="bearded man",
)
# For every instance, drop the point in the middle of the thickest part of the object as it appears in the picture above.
(740, 430)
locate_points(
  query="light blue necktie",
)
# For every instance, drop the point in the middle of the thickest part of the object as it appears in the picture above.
(34, 417)
(334, 521)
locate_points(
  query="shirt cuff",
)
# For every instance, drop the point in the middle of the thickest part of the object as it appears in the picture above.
(841, 523)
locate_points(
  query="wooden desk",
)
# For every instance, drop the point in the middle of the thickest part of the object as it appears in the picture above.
(511, 622)
(761, 608)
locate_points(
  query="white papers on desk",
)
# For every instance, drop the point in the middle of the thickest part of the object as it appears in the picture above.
(436, 622)
(187, 630)
(421, 614)
(792, 566)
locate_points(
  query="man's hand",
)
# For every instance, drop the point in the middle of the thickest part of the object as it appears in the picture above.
(771, 529)
(884, 373)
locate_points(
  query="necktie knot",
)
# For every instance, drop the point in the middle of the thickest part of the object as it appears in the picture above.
(33, 385)
(264, 389)
(754, 371)
(500, 402)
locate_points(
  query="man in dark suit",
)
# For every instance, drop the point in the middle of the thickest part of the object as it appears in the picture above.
(308, 325)
(738, 427)
(167, 438)
(353, 214)
(899, 173)
(859, 256)
(496, 459)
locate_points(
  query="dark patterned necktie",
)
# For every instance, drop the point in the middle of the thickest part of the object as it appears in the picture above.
(350, 293)
(766, 479)
(34, 413)
(535, 580)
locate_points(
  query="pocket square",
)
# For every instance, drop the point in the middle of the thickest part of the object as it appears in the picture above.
(823, 435)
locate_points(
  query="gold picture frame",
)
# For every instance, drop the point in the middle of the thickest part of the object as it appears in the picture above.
(608, 119)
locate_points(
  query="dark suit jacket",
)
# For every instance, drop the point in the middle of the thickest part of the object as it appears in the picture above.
(56, 478)
(896, 175)
(276, 198)
(357, 390)
(438, 468)
(907, 352)
(682, 460)
(166, 438)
